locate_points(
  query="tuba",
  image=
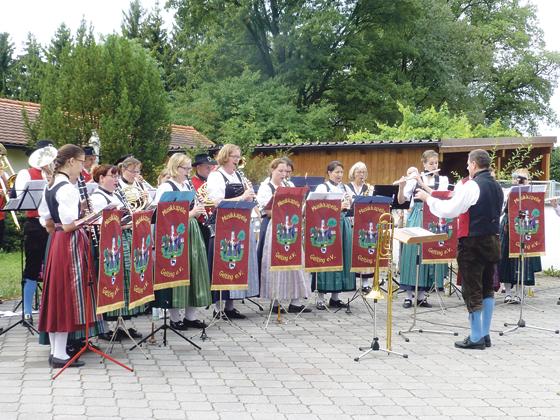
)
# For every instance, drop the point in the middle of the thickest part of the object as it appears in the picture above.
(384, 252)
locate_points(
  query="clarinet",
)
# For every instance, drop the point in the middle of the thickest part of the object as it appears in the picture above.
(82, 188)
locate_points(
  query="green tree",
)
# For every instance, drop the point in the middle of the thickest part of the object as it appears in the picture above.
(247, 110)
(60, 45)
(555, 164)
(113, 87)
(131, 25)
(28, 72)
(6, 62)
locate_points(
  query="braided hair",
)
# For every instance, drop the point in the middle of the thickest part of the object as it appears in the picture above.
(65, 153)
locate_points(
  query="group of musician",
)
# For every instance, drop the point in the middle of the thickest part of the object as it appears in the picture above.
(66, 268)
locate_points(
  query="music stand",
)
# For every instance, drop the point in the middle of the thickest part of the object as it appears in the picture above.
(168, 197)
(418, 235)
(523, 214)
(28, 200)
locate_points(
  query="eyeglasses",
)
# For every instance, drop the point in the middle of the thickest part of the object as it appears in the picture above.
(235, 156)
(80, 160)
(186, 168)
(133, 172)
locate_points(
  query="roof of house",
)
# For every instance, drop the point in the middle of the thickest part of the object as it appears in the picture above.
(12, 127)
(444, 145)
(13, 132)
(187, 137)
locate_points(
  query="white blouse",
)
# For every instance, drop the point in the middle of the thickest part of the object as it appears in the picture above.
(334, 188)
(165, 187)
(429, 181)
(68, 198)
(265, 193)
(100, 199)
(216, 185)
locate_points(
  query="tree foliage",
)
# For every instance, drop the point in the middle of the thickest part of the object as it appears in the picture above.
(432, 124)
(114, 88)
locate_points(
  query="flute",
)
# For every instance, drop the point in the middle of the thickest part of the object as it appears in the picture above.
(82, 188)
(411, 177)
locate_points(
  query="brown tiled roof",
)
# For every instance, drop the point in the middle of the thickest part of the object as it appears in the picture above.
(13, 133)
(186, 137)
(12, 127)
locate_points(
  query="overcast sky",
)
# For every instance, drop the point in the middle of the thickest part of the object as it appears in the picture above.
(42, 17)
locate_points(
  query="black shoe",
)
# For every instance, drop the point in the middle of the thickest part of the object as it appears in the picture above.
(407, 303)
(321, 306)
(108, 335)
(337, 304)
(234, 314)
(558, 303)
(50, 359)
(60, 363)
(179, 325)
(72, 349)
(195, 324)
(134, 333)
(275, 310)
(487, 341)
(366, 290)
(468, 344)
(293, 309)
(424, 303)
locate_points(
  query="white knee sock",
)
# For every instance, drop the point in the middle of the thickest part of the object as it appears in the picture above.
(334, 296)
(175, 315)
(229, 305)
(295, 302)
(190, 313)
(51, 339)
(421, 295)
(60, 339)
(507, 286)
(409, 294)
(320, 297)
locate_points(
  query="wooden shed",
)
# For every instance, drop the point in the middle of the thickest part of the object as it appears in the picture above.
(389, 160)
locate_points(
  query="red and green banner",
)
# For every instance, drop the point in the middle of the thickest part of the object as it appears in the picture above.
(141, 261)
(287, 228)
(323, 235)
(172, 245)
(110, 290)
(526, 223)
(230, 267)
(439, 252)
(364, 234)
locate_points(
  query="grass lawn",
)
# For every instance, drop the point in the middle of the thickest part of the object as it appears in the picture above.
(10, 275)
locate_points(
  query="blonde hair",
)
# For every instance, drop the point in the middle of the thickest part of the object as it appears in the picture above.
(429, 154)
(524, 172)
(356, 167)
(225, 152)
(275, 164)
(128, 162)
(176, 160)
(163, 176)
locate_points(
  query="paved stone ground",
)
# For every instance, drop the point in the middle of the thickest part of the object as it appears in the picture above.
(302, 370)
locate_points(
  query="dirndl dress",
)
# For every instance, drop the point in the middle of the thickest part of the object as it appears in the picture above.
(292, 284)
(67, 272)
(508, 268)
(428, 273)
(338, 281)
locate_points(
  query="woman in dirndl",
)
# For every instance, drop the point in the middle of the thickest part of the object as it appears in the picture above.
(429, 274)
(68, 267)
(289, 285)
(106, 176)
(334, 282)
(228, 184)
(183, 301)
(509, 268)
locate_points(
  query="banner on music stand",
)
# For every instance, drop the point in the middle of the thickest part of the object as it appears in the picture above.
(323, 235)
(110, 290)
(141, 262)
(367, 211)
(230, 267)
(172, 245)
(529, 228)
(287, 228)
(440, 252)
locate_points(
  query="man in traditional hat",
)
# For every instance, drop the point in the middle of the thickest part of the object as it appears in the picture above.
(203, 164)
(35, 235)
(90, 160)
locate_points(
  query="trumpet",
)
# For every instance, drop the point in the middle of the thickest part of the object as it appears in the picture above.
(384, 252)
(411, 177)
(7, 185)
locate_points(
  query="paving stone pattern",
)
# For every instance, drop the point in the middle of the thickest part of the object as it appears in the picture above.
(302, 370)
